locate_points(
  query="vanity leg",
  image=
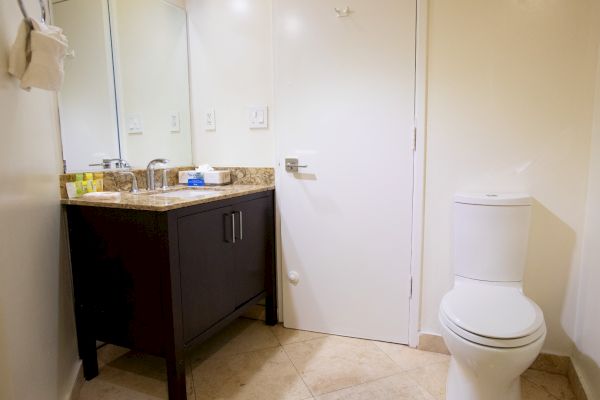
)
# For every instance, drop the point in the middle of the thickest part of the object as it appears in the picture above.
(176, 376)
(271, 310)
(87, 345)
(90, 364)
(271, 278)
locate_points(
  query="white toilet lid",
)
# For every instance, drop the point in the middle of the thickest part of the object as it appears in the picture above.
(498, 312)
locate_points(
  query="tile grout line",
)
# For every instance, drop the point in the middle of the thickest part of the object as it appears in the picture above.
(193, 382)
(405, 371)
(415, 368)
(200, 361)
(297, 371)
(541, 387)
(312, 395)
(351, 386)
(325, 335)
(387, 355)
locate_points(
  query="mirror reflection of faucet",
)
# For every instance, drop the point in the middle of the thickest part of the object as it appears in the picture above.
(107, 163)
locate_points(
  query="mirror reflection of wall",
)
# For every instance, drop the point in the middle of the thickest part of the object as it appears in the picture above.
(126, 91)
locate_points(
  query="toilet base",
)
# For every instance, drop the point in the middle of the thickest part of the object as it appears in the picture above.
(464, 384)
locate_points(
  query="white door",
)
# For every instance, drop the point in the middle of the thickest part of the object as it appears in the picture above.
(344, 96)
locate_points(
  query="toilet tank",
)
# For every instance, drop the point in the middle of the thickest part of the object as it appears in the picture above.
(491, 233)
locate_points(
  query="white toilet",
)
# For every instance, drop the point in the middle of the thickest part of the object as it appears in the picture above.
(493, 331)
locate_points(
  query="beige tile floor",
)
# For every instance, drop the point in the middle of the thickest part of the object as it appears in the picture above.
(251, 361)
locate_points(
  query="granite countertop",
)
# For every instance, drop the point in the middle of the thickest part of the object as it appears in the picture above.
(146, 201)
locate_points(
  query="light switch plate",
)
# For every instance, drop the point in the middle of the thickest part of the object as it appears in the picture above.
(134, 123)
(174, 122)
(258, 117)
(210, 120)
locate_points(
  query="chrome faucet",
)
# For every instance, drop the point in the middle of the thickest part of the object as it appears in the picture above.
(150, 172)
(134, 184)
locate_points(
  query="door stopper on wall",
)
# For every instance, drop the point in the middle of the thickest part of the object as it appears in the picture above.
(343, 13)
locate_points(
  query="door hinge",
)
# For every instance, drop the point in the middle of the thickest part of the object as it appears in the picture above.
(64, 166)
(410, 290)
(414, 139)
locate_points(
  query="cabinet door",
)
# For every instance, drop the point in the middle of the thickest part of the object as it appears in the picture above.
(253, 248)
(206, 259)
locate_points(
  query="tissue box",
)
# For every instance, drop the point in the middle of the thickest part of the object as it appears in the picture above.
(184, 176)
(217, 177)
(210, 177)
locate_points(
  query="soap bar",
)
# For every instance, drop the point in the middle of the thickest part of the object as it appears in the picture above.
(113, 196)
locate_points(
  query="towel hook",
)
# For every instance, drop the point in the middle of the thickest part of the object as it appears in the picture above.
(24, 11)
(343, 13)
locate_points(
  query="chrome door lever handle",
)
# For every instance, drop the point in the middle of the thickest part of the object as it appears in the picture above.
(292, 165)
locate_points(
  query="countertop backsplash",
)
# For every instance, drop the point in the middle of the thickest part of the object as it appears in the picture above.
(114, 181)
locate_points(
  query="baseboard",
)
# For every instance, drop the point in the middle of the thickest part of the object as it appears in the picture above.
(575, 376)
(77, 382)
(551, 363)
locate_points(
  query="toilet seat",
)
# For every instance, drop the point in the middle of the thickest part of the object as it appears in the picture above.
(492, 315)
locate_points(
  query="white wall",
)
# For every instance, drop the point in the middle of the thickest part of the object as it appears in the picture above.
(232, 68)
(587, 336)
(152, 65)
(509, 109)
(38, 357)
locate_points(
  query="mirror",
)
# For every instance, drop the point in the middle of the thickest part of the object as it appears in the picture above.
(126, 89)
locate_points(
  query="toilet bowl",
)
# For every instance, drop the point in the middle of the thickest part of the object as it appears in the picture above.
(494, 334)
(492, 330)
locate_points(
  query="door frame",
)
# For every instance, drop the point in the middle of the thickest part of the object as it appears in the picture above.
(416, 264)
(418, 203)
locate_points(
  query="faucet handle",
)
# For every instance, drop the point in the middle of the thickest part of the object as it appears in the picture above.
(108, 162)
(134, 184)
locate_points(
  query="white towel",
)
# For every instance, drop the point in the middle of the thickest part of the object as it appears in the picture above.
(44, 51)
(20, 53)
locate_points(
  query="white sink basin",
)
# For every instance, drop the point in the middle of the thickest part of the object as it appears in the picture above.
(187, 194)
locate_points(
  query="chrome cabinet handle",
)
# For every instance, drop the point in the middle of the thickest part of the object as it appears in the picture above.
(233, 227)
(241, 228)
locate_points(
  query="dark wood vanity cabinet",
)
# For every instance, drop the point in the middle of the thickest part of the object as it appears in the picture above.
(221, 269)
(161, 282)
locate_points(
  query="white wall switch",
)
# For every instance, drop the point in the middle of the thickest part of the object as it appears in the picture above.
(134, 123)
(174, 121)
(210, 120)
(258, 117)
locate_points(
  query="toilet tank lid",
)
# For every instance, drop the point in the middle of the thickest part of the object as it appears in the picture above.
(493, 199)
